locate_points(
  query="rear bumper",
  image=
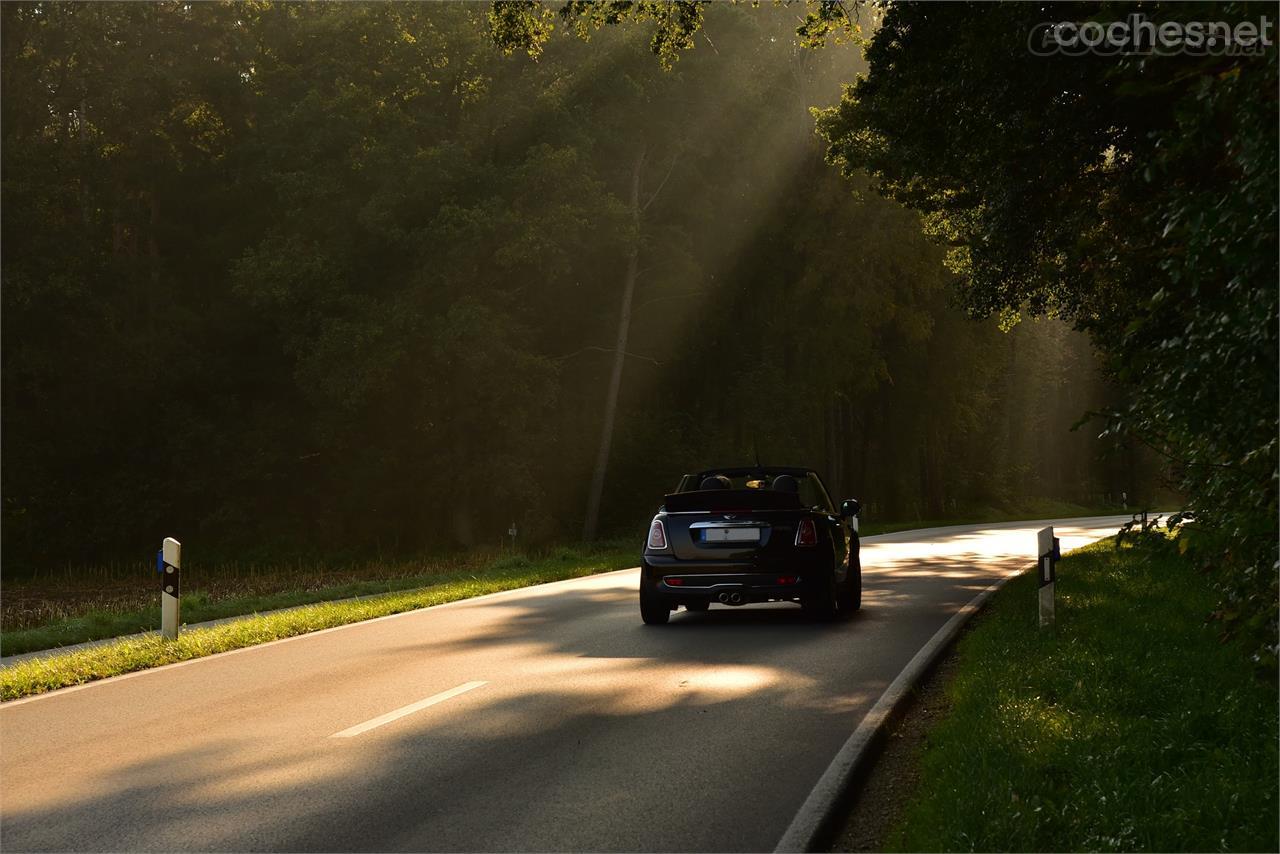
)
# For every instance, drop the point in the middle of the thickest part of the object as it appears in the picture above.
(759, 580)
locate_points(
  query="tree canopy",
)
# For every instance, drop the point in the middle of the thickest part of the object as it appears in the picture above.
(1134, 196)
(340, 277)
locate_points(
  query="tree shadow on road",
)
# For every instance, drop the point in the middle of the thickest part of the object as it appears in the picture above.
(505, 772)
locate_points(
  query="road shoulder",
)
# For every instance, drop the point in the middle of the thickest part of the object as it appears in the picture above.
(876, 805)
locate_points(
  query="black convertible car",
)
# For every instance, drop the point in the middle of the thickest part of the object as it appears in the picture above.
(740, 535)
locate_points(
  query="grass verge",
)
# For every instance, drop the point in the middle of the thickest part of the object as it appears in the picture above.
(47, 673)
(1128, 727)
(133, 606)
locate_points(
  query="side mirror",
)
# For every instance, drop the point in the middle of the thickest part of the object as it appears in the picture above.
(849, 508)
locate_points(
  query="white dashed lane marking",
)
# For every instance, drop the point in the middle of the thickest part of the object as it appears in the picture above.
(401, 712)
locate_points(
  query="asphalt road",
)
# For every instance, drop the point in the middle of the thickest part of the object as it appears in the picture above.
(544, 719)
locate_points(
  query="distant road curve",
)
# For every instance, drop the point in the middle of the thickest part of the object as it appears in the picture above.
(544, 719)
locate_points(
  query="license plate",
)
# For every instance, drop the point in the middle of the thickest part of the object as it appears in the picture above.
(731, 535)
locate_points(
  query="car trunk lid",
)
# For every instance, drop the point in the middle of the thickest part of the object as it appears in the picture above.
(730, 524)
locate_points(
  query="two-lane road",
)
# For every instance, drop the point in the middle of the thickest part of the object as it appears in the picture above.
(540, 719)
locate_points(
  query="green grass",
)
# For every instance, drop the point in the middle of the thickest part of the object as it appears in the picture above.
(71, 668)
(132, 604)
(1128, 727)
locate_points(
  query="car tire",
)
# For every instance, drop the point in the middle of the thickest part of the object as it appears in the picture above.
(697, 606)
(851, 595)
(653, 610)
(822, 604)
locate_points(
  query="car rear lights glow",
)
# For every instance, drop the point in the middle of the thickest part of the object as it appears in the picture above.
(806, 533)
(787, 579)
(657, 535)
(675, 582)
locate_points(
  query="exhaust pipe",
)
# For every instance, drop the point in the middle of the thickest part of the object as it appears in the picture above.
(735, 599)
(724, 598)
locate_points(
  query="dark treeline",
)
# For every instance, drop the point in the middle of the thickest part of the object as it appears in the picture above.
(341, 276)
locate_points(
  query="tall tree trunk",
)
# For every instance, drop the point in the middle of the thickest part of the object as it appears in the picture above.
(592, 520)
(153, 252)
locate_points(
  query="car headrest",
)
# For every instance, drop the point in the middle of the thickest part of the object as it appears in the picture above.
(715, 481)
(786, 483)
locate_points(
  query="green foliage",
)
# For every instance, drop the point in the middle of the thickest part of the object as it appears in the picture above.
(288, 279)
(1134, 196)
(527, 25)
(831, 20)
(1127, 728)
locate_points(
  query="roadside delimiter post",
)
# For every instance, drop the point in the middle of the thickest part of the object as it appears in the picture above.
(1047, 568)
(170, 587)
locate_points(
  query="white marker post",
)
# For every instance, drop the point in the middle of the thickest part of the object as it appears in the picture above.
(170, 587)
(1047, 568)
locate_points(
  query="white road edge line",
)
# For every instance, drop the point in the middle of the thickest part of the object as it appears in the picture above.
(803, 832)
(401, 712)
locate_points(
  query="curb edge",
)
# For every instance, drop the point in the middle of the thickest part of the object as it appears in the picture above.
(855, 756)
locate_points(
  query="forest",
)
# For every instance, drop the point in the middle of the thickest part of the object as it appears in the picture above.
(351, 278)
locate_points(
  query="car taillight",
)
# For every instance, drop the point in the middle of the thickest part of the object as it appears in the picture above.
(657, 535)
(806, 533)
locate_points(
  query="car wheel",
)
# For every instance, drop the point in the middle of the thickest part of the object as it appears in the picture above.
(697, 606)
(821, 604)
(653, 610)
(851, 596)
